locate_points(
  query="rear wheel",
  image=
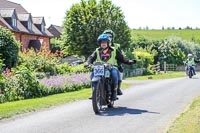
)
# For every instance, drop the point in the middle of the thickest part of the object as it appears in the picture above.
(96, 97)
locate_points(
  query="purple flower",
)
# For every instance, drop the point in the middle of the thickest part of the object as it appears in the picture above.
(67, 81)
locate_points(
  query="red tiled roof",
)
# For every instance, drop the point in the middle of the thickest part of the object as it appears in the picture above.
(48, 33)
(5, 23)
(21, 28)
(7, 9)
(24, 17)
(36, 30)
(58, 28)
(9, 4)
(7, 12)
(38, 20)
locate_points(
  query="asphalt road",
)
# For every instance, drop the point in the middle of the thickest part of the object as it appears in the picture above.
(146, 107)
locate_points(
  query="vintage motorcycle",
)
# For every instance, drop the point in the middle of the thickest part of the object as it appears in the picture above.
(102, 86)
(190, 69)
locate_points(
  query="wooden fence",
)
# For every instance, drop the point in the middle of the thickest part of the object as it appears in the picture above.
(135, 72)
(156, 68)
(169, 67)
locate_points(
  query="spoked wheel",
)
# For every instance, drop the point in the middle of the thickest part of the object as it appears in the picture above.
(96, 97)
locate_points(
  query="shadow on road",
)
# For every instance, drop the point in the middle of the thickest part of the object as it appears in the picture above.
(118, 111)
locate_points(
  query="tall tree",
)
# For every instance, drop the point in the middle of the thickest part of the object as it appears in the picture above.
(86, 20)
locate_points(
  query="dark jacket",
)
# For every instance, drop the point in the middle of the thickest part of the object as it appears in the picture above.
(119, 56)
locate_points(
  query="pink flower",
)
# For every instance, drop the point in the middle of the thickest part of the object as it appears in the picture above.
(7, 70)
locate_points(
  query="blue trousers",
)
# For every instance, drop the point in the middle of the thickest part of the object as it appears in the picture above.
(194, 69)
(114, 75)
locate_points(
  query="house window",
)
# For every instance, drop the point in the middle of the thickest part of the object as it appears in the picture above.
(29, 25)
(14, 21)
(42, 27)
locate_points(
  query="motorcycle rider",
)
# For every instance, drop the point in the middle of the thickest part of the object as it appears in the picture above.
(111, 34)
(106, 53)
(192, 61)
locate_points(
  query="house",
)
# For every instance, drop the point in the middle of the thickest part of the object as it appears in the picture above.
(55, 30)
(29, 30)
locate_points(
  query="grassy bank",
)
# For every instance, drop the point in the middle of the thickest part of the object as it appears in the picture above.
(159, 76)
(189, 121)
(189, 35)
(10, 109)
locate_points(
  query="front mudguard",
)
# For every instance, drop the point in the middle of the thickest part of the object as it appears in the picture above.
(95, 79)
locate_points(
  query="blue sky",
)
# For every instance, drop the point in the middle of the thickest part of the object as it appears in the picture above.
(138, 13)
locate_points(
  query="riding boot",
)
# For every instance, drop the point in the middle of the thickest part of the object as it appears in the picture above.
(119, 92)
(114, 94)
(194, 72)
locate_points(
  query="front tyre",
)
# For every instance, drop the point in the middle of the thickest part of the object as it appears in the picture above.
(190, 73)
(96, 97)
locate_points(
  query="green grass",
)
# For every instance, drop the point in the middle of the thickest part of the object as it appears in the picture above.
(189, 121)
(161, 34)
(125, 85)
(159, 76)
(11, 109)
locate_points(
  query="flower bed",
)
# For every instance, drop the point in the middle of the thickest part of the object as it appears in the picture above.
(66, 83)
(22, 84)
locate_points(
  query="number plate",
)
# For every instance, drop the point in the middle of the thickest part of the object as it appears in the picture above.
(98, 70)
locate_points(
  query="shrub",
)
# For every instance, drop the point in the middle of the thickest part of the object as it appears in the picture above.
(79, 69)
(144, 57)
(65, 68)
(21, 84)
(28, 84)
(40, 75)
(62, 68)
(9, 48)
(2, 79)
(41, 61)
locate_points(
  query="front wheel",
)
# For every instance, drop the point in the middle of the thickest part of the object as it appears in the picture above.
(96, 97)
(190, 73)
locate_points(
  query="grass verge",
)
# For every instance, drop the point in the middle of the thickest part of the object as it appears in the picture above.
(189, 121)
(11, 109)
(159, 76)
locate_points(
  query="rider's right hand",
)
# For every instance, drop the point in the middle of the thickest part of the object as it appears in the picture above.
(86, 65)
(132, 61)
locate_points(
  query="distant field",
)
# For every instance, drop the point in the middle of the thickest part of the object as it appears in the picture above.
(189, 35)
